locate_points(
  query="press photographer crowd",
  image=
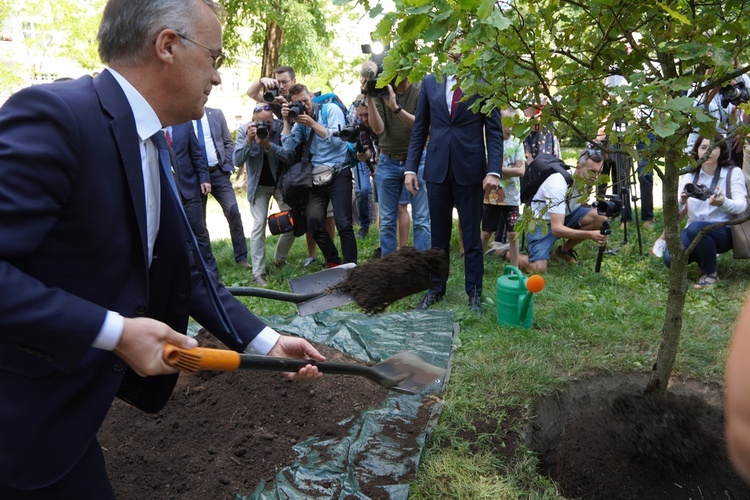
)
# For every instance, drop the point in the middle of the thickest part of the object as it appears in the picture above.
(404, 155)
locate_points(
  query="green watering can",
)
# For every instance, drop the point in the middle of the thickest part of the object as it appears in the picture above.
(515, 299)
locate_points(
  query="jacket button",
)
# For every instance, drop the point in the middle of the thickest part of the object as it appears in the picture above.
(141, 310)
(118, 367)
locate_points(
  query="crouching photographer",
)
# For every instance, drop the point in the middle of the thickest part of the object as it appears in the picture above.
(332, 178)
(703, 191)
(560, 206)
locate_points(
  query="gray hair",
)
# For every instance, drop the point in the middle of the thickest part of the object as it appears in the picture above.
(369, 70)
(128, 27)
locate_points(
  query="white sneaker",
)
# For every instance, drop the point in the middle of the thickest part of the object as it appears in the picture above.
(660, 246)
(308, 261)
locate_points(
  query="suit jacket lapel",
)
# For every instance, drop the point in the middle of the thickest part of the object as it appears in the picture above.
(215, 128)
(442, 90)
(122, 124)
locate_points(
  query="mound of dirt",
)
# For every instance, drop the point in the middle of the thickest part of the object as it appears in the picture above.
(611, 442)
(222, 432)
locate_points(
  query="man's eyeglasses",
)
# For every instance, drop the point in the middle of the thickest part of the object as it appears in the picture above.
(283, 82)
(593, 154)
(265, 107)
(218, 56)
(359, 102)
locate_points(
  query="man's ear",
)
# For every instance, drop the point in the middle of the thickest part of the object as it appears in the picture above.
(164, 45)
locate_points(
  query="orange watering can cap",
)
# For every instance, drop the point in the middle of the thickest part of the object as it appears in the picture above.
(535, 283)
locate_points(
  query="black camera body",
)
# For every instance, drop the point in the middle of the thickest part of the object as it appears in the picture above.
(371, 89)
(295, 109)
(350, 133)
(734, 94)
(697, 191)
(270, 95)
(262, 129)
(610, 206)
(359, 147)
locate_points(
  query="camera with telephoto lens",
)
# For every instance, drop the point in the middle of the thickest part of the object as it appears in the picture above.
(295, 109)
(359, 147)
(610, 206)
(262, 129)
(350, 133)
(697, 191)
(734, 94)
(270, 95)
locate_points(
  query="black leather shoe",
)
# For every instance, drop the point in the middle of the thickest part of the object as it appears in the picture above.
(475, 304)
(430, 299)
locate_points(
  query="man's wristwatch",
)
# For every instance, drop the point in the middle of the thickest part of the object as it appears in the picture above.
(398, 110)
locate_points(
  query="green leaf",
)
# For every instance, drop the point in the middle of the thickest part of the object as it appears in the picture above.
(498, 20)
(673, 13)
(664, 126)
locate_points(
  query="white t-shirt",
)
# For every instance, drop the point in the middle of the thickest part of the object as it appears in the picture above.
(552, 193)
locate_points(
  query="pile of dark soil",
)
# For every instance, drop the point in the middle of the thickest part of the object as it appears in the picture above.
(378, 284)
(223, 432)
(618, 444)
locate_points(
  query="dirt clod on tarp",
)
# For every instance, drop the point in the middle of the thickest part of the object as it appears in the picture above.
(378, 284)
(604, 439)
(222, 432)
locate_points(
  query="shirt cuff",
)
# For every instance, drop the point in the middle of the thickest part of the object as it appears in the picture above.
(499, 176)
(110, 332)
(263, 342)
(728, 205)
(409, 172)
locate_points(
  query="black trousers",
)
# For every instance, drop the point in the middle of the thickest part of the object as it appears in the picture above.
(222, 190)
(339, 192)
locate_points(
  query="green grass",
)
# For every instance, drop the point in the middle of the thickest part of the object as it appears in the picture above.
(585, 322)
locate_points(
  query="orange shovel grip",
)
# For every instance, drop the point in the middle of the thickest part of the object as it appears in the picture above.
(200, 358)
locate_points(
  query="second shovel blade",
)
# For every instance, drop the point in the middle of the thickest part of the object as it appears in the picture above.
(320, 282)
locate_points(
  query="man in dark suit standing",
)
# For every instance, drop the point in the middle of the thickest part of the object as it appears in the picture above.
(96, 259)
(218, 148)
(194, 185)
(457, 171)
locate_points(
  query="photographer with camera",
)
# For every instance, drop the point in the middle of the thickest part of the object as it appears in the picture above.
(332, 177)
(565, 216)
(361, 145)
(274, 91)
(701, 191)
(259, 144)
(392, 118)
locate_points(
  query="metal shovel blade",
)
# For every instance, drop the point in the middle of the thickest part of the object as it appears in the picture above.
(321, 283)
(409, 372)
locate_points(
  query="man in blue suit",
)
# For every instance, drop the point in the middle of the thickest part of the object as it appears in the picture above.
(96, 261)
(457, 171)
(194, 184)
(218, 148)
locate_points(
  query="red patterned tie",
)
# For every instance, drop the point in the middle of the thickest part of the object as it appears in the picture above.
(457, 95)
(169, 137)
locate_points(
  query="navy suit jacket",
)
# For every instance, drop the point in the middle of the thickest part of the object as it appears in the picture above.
(192, 169)
(73, 246)
(458, 141)
(222, 139)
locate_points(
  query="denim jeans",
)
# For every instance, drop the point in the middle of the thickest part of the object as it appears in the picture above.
(646, 182)
(712, 243)
(362, 193)
(389, 181)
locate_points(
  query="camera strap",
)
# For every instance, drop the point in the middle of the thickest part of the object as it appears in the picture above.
(714, 181)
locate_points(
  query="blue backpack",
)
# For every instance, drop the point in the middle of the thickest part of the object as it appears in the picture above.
(330, 97)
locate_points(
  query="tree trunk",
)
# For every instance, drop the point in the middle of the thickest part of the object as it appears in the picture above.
(271, 49)
(670, 341)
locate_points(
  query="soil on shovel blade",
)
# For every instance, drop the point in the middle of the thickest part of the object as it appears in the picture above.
(222, 432)
(619, 444)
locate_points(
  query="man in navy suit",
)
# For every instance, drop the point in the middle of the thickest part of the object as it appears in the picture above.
(96, 261)
(218, 148)
(457, 171)
(194, 184)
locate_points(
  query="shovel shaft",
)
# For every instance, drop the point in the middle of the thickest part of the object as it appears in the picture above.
(295, 298)
(201, 358)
